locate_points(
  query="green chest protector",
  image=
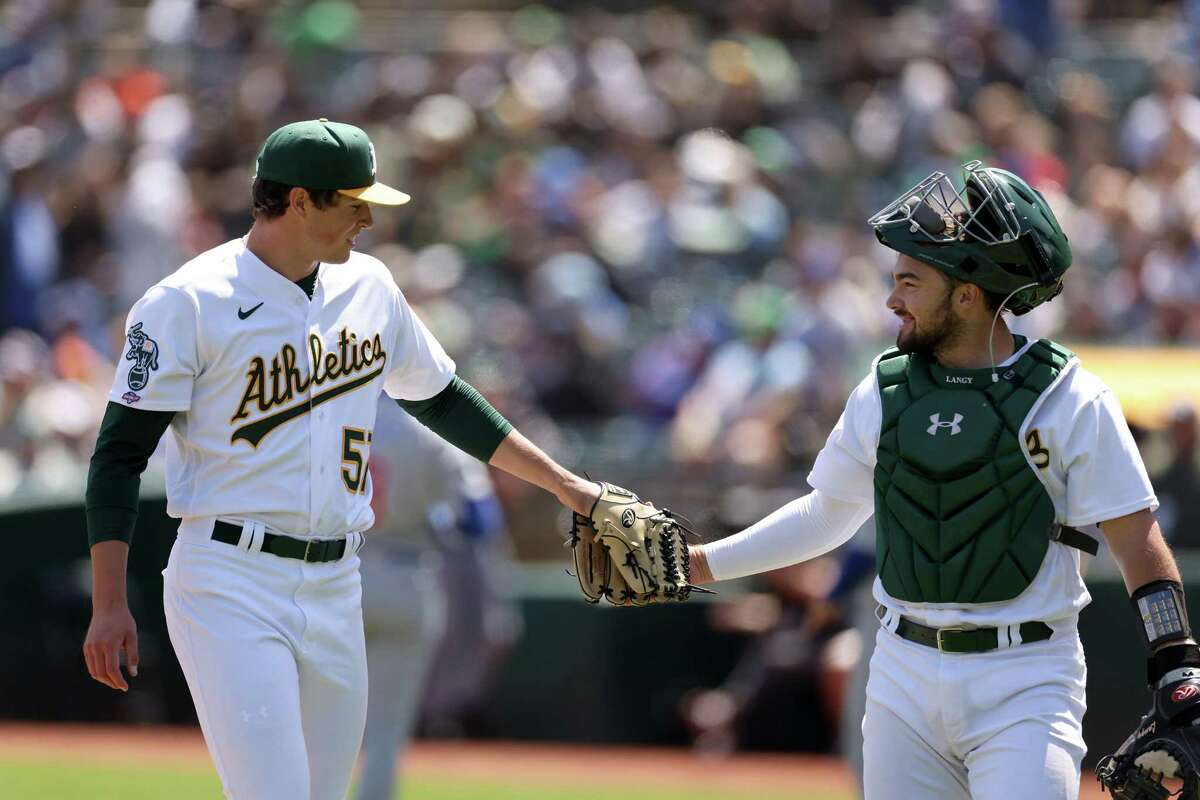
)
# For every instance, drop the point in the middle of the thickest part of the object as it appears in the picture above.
(960, 515)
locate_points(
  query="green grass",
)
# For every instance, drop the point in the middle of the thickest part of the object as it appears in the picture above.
(28, 780)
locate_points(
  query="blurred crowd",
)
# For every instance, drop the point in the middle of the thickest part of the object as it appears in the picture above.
(640, 234)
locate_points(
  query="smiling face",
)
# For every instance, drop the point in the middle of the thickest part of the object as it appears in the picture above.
(923, 300)
(330, 231)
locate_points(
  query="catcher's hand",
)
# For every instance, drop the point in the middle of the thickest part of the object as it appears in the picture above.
(1165, 745)
(630, 552)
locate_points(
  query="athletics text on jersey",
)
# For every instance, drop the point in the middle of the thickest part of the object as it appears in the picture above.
(283, 384)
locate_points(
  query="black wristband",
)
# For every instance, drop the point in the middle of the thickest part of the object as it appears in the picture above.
(1162, 610)
(1162, 613)
(1169, 658)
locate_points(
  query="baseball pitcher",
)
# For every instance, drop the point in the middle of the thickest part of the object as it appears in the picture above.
(264, 358)
(984, 456)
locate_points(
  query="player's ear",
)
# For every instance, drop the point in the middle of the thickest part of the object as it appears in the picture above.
(968, 295)
(299, 200)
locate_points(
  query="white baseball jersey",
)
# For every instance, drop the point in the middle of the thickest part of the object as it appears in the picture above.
(1079, 445)
(275, 393)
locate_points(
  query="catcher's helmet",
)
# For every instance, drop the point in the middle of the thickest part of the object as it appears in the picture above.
(997, 232)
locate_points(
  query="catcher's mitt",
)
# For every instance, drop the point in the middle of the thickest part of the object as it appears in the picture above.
(1165, 745)
(630, 552)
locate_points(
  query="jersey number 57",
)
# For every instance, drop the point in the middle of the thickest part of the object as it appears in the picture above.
(354, 466)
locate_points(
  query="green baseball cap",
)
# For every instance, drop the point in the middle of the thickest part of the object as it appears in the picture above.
(319, 154)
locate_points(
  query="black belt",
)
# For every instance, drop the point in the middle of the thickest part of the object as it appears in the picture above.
(314, 551)
(963, 640)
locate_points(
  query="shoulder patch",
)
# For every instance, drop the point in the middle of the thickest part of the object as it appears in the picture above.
(143, 352)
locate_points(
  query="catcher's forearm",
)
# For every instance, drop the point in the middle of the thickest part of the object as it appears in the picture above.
(698, 565)
(1151, 575)
(804, 528)
(1156, 592)
(521, 458)
(1139, 549)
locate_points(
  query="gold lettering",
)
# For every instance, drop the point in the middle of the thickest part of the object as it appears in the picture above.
(351, 355)
(353, 365)
(316, 350)
(342, 343)
(296, 382)
(254, 389)
(276, 389)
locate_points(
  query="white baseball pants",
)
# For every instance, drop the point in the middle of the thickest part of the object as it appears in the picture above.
(272, 649)
(988, 726)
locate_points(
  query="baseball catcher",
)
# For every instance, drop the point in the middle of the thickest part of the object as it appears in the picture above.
(1166, 744)
(629, 552)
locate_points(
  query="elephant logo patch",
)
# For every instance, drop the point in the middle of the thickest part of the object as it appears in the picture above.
(143, 352)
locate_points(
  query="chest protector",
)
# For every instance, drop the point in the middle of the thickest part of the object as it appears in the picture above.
(960, 515)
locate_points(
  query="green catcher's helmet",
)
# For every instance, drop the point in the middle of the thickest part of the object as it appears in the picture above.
(997, 232)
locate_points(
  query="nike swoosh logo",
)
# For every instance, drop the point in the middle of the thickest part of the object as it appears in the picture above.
(244, 314)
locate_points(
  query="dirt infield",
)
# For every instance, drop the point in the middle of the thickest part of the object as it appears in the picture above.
(569, 763)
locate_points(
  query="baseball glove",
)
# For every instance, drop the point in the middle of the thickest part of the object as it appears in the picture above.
(1165, 746)
(629, 552)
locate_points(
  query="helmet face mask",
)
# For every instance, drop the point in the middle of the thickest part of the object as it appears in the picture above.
(995, 231)
(978, 211)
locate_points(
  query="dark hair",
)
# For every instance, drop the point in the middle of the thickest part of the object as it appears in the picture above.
(270, 199)
(991, 300)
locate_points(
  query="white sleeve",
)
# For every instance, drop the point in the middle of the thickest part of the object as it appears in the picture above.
(160, 361)
(420, 367)
(1106, 478)
(845, 467)
(805, 528)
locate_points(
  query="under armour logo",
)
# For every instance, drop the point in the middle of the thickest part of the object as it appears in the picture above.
(936, 419)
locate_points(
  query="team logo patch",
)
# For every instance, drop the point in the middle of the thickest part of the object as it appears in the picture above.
(143, 352)
(627, 518)
(1185, 692)
(131, 397)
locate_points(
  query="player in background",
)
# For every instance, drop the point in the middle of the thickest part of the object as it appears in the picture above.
(483, 617)
(981, 454)
(425, 492)
(265, 358)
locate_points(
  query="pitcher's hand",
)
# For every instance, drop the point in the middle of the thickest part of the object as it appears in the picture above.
(111, 631)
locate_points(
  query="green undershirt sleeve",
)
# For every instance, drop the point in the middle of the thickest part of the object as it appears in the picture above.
(460, 415)
(126, 441)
